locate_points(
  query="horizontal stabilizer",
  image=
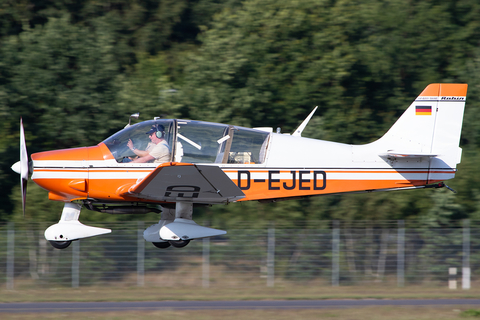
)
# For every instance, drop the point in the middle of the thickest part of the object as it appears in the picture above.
(72, 230)
(185, 229)
(399, 154)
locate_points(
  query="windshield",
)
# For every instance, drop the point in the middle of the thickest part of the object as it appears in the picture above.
(140, 139)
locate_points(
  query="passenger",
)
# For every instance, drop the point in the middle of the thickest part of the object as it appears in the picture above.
(157, 150)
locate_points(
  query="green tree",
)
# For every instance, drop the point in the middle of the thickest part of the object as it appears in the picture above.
(59, 77)
(63, 80)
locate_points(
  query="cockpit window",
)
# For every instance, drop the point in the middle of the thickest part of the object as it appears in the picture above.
(199, 142)
(138, 134)
(194, 142)
(248, 146)
(205, 142)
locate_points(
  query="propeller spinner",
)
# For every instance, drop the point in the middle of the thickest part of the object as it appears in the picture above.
(21, 167)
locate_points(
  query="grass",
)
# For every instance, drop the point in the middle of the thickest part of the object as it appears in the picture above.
(119, 292)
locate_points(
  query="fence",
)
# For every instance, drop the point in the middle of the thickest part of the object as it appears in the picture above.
(322, 252)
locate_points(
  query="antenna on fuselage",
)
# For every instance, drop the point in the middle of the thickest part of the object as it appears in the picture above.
(299, 130)
(135, 116)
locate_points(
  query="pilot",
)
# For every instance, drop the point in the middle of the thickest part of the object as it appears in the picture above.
(157, 150)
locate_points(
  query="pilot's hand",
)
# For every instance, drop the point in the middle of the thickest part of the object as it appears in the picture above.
(130, 144)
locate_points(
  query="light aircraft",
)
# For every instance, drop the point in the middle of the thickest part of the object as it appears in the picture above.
(212, 163)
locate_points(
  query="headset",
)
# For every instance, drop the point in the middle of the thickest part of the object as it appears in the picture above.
(160, 133)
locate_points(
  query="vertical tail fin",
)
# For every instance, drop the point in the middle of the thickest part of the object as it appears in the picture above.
(431, 126)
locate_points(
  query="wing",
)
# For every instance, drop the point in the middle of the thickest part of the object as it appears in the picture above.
(187, 182)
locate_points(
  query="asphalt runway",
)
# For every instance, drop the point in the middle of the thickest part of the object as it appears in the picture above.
(222, 305)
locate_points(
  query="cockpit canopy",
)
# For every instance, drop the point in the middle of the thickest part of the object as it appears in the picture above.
(194, 142)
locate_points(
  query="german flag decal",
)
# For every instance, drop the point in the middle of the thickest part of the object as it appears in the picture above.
(423, 110)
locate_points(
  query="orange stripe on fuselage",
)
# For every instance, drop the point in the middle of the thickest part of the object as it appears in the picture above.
(259, 191)
(376, 171)
(356, 170)
(62, 170)
(346, 170)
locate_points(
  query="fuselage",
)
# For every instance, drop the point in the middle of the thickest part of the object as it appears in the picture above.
(263, 164)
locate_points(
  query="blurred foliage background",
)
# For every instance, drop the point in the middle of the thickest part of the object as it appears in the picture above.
(76, 69)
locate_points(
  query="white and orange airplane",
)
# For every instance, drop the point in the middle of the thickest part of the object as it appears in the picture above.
(212, 163)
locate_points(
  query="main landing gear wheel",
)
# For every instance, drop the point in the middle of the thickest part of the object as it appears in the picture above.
(179, 243)
(161, 245)
(60, 244)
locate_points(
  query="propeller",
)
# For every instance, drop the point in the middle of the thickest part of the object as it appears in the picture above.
(21, 167)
